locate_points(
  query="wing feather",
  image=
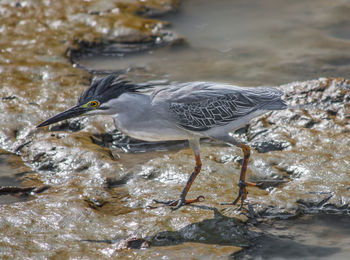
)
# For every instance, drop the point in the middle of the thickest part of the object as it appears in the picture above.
(200, 106)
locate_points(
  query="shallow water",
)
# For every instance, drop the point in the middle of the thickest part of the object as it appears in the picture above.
(309, 237)
(100, 189)
(248, 43)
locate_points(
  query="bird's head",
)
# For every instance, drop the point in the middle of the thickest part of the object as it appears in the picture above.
(97, 99)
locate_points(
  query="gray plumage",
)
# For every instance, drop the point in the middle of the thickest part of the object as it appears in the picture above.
(200, 106)
(179, 111)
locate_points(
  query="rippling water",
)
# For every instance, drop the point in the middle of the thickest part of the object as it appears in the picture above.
(249, 43)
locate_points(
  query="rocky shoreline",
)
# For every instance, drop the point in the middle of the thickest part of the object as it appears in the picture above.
(81, 188)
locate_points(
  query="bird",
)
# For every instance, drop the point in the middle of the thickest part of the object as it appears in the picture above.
(178, 111)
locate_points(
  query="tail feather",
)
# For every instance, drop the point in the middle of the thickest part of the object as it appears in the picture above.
(276, 104)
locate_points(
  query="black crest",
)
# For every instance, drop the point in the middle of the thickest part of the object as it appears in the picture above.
(109, 87)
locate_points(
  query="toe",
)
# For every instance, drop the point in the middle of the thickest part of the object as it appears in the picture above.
(178, 204)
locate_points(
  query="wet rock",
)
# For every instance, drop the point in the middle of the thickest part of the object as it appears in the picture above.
(293, 171)
(272, 213)
(137, 243)
(270, 145)
(23, 191)
(304, 207)
(310, 204)
(270, 183)
(116, 182)
(322, 206)
(123, 243)
(15, 183)
(220, 230)
(158, 10)
(145, 8)
(130, 34)
(8, 98)
(95, 203)
(319, 105)
(72, 125)
(121, 47)
(324, 102)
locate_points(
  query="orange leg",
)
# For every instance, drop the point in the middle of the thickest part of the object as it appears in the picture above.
(176, 204)
(242, 184)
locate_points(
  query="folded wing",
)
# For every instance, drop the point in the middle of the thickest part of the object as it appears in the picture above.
(200, 106)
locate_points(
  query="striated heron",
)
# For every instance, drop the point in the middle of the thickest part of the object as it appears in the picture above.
(180, 111)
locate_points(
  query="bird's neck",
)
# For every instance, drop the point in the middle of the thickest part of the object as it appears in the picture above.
(131, 103)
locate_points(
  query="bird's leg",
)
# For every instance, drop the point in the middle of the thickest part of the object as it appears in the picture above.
(242, 184)
(176, 204)
(242, 193)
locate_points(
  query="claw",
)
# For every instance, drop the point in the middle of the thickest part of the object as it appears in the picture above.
(242, 195)
(260, 185)
(179, 204)
(176, 204)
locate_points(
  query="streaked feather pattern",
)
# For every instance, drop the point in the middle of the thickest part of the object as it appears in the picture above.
(200, 106)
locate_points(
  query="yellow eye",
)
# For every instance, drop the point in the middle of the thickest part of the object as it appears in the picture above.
(94, 103)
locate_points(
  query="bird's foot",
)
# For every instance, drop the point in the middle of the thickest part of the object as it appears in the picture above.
(242, 195)
(176, 204)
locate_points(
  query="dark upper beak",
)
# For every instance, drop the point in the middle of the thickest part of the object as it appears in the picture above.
(72, 112)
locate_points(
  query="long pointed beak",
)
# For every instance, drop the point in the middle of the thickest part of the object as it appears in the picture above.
(72, 112)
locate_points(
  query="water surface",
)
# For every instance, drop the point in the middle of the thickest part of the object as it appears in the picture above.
(248, 42)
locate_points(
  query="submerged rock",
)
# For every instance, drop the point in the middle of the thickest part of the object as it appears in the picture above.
(123, 46)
